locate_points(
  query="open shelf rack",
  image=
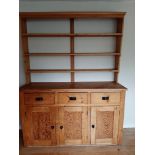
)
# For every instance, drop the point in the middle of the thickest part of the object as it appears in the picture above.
(24, 16)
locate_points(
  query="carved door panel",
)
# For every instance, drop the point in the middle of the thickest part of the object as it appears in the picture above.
(73, 125)
(41, 125)
(104, 125)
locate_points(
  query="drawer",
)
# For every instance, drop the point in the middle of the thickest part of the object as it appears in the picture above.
(72, 98)
(105, 98)
(39, 98)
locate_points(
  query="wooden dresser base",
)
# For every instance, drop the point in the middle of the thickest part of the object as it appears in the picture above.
(72, 113)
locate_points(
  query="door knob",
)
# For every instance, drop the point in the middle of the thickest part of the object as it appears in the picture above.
(52, 127)
(93, 126)
(61, 127)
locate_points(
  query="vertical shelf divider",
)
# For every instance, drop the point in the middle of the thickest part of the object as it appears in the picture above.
(25, 49)
(72, 65)
(120, 24)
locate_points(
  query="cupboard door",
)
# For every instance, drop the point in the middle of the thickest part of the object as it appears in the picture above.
(41, 125)
(104, 125)
(73, 125)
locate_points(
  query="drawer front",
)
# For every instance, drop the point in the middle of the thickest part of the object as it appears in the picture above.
(39, 98)
(72, 98)
(105, 98)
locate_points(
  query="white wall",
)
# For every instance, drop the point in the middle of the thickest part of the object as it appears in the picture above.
(126, 76)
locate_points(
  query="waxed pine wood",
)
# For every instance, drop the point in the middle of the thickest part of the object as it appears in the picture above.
(39, 98)
(73, 54)
(23, 24)
(66, 15)
(71, 35)
(105, 122)
(66, 98)
(72, 49)
(73, 86)
(120, 24)
(73, 125)
(38, 124)
(121, 119)
(98, 98)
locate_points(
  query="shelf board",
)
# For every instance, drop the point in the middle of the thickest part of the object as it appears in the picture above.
(62, 15)
(48, 54)
(97, 54)
(69, 70)
(72, 85)
(97, 34)
(74, 54)
(71, 35)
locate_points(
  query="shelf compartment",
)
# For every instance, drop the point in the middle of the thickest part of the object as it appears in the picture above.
(71, 35)
(69, 70)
